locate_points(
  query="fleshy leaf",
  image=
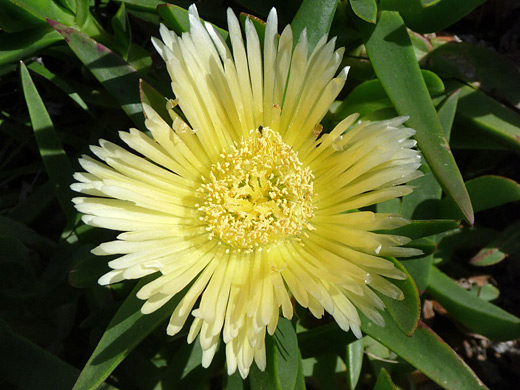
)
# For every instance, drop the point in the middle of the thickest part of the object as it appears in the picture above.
(417, 229)
(428, 3)
(116, 75)
(45, 370)
(87, 268)
(323, 339)
(475, 313)
(384, 381)
(405, 312)
(507, 242)
(14, 18)
(55, 160)
(143, 5)
(468, 239)
(419, 269)
(427, 352)
(45, 9)
(283, 360)
(17, 46)
(484, 68)
(177, 19)
(185, 369)
(31, 238)
(258, 23)
(391, 53)
(234, 382)
(427, 245)
(370, 96)
(486, 192)
(126, 330)
(365, 9)
(481, 116)
(354, 361)
(28, 209)
(316, 17)
(446, 111)
(429, 16)
(60, 83)
(122, 32)
(154, 99)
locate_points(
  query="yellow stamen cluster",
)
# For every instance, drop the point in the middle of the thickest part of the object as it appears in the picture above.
(258, 193)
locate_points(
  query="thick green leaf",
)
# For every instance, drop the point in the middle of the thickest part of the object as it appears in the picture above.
(234, 382)
(365, 9)
(20, 45)
(49, 9)
(486, 192)
(116, 75)
(432, 16)
(59, 82)
(476, 314)
(324, 370)
(487, 292)
(18, 281)
(384, 381)
(507, 243)
(87, 268)
(370, 96)
(258, 23)
(467, 239)
(405, 312)
(13, 18)
(177, 19)
(141, 60)
(43, 9)
(390, 50)
(421, 46)
(143, 5)
(479, 115)
(30, 208)
(418, 229)
(354, 362)
(316, 17)
(31, 238)
(154, 99)
(300, 378)
(446, 111)
(45, 370)
(487, 70)
(55, 160)
(427, 352)
(489, 255)
(185, 370)
(27, 366)
(283, 360)
(428, 3)
(419, 269)
(82, 12)
(126, 330)
(427, 245)
(122, 32)
(423, 202)
(389, 206)
(323, 339)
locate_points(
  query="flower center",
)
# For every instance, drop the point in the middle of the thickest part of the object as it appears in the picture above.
(258, 193)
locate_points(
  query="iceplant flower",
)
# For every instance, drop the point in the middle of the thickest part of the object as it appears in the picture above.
(246, 202)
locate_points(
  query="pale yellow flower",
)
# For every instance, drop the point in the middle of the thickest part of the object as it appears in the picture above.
(245, 202)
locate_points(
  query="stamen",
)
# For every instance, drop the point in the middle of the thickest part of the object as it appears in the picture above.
(259, 193)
